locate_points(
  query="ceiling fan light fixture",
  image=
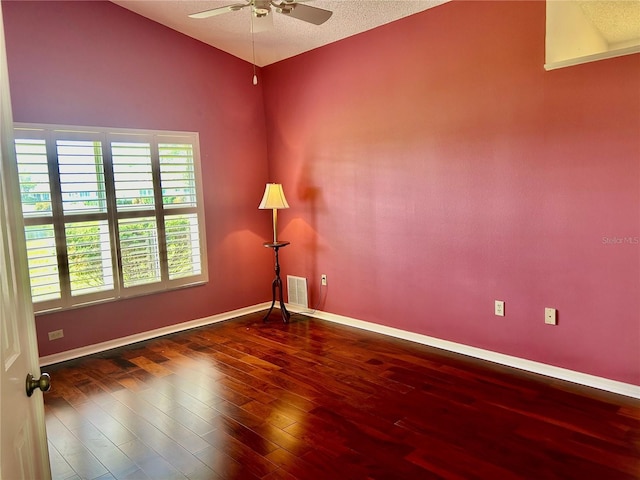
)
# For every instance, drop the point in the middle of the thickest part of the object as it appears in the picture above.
(261, 8)
(260, 12)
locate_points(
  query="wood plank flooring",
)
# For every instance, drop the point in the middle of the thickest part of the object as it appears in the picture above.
(314, 400)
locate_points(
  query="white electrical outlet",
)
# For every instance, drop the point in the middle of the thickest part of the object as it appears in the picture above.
(499, 308)
(323, 279)
(56, 334)
(550, 316)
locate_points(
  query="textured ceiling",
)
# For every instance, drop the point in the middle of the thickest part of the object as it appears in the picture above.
(618, 21)
(286, 37)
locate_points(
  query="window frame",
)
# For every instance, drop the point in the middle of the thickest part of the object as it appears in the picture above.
(159, 211)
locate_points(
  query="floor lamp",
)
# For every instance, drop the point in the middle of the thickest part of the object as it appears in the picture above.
(274, 199)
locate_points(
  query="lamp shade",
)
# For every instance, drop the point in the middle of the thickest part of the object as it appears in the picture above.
(273, 197)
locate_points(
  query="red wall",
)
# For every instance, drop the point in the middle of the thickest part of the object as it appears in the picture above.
(433, 167)
(94, 63)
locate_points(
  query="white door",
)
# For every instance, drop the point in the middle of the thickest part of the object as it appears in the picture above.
(23, 441)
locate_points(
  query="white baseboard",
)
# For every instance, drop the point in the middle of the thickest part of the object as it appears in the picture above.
(580, 378)
(139, 337)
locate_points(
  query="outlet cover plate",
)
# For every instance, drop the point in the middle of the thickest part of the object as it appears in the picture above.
(550, 316)
(56, 334)
(499, 308)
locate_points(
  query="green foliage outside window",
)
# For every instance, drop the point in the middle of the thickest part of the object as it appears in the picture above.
(85, 254)
(179, 249)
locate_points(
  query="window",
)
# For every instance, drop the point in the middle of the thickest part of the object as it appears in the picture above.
(109, 213)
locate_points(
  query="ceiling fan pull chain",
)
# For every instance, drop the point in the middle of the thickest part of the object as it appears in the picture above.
(253, 50)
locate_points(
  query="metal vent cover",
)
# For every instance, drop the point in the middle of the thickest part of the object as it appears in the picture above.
(297, 291)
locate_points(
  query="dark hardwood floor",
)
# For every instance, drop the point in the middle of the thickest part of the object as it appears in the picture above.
(314, 400)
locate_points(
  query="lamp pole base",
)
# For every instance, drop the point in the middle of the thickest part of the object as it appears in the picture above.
(277, 284)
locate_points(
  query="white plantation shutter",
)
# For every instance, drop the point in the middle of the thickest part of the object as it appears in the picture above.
(177, 174)
(85, 264)
(179, 197)
(33, 172)
(81, 176)
(35, 195)
(135, 193)
(109, 214)
(133, 175)
(43, 265)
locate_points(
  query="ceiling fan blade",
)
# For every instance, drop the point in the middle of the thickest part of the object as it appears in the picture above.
(314, 15)
(220, 10)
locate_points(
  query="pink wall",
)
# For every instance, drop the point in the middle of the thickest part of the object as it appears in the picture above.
(94, 63)
(433, 167)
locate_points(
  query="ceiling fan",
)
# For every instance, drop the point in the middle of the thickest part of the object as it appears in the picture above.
(262, 8)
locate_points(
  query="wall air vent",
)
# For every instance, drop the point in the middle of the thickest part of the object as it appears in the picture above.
(297, 291)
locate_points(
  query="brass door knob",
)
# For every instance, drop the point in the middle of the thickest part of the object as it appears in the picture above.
(43, 383)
